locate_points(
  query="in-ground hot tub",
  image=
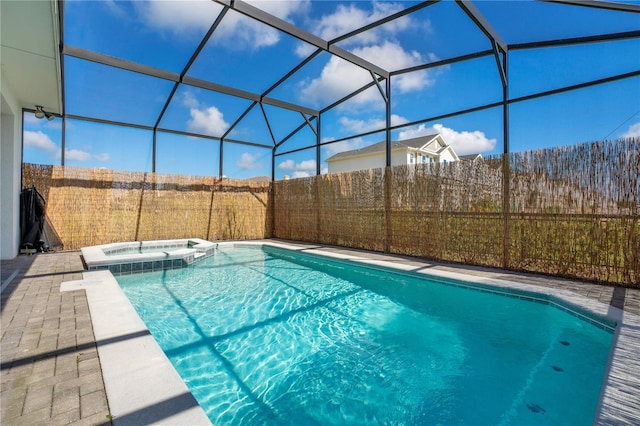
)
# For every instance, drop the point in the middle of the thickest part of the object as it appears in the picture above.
(146, 256)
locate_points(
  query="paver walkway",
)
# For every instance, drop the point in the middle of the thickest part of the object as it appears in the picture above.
(50, 371)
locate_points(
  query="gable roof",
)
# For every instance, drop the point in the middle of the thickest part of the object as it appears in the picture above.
(415, 143)
(470, 157)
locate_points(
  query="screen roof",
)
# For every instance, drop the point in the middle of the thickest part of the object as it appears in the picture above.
(293, 76)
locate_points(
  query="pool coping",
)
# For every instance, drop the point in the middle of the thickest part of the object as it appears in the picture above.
(143, 387)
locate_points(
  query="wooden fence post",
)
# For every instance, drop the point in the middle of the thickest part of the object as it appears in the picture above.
(506, 209)
(317, 204)
(387, 209)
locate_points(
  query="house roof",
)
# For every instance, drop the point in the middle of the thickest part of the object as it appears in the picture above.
(415, 143)
(470, 156)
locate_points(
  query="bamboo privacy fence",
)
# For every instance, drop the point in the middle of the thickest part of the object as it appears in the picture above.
(570, 212)
(96, 206)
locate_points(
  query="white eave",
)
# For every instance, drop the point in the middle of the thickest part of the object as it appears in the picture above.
(366, 154)
(30, 55)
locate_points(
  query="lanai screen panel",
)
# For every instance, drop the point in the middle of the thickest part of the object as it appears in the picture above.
(256, 74)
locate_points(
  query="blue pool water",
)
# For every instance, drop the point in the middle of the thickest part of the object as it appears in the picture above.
(269, 336)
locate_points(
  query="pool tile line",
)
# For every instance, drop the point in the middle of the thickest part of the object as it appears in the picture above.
(511, 291)
(501, 287)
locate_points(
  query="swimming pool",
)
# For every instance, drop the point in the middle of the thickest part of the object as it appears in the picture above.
(271, 336)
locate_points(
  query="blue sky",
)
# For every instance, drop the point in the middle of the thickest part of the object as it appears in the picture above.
(250, 56)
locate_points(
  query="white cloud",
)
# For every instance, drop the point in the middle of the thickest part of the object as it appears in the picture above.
(379, 45)
(235, 31)
(40, 141)
(633, 131)
(76, 155)
(189, 100)
(362, 126)
(209, 121)
(104, 157)
(464, 142)
(347, 18)
(31, 120)
(342, 146)
(301, 174)
(339, 77)
(248, 162)
(287, 165)
(391, 56)
(304, 168)
(79, 155)
(238, 31)
(115, 8)
(282, 9)
(179, 17)
(303, 50)
(306, 165)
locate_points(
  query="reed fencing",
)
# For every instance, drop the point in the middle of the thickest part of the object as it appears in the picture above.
(571, 212)
(96, 206)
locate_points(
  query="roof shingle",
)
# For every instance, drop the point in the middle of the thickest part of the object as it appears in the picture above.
(380, 146)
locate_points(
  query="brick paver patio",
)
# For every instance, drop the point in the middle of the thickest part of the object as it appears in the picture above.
(50, 371)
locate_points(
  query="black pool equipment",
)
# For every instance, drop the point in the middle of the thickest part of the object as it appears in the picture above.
(32, 220)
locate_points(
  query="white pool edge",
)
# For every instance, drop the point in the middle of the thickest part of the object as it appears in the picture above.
(143, 387)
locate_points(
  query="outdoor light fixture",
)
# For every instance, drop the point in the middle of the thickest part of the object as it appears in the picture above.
(41, 113)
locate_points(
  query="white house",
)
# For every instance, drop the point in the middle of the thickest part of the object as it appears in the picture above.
(420, 150)
(471, 157)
